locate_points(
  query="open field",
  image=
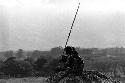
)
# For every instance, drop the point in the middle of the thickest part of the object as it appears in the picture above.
(24, 80)
(33, 80)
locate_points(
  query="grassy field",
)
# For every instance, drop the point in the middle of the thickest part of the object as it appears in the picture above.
(32, 80)
(24, 80)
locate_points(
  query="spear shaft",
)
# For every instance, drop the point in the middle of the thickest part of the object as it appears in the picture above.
(72, 25)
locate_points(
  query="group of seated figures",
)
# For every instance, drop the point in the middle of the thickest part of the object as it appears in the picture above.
(71, 64)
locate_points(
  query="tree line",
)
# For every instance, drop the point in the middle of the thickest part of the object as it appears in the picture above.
(37, 63)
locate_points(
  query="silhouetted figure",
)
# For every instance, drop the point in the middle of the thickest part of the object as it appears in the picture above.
(71, 61)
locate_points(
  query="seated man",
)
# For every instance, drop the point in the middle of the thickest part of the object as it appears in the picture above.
(75, 62)
(71, 61)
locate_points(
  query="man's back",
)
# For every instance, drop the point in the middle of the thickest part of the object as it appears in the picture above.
(70, 60)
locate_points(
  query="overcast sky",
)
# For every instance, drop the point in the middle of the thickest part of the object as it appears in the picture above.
(43, 24)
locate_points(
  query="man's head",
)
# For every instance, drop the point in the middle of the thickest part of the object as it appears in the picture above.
(69, 50)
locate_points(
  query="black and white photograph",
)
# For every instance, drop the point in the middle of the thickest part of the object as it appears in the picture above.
(62, 41)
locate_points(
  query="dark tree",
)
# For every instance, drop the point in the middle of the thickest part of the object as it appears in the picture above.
(16, 68)
(35, 54)
(9, 60)
(52, 65)
(10, 67)
(40, 63)
(30, 60)
(25, 68)
(8, 54)
(19, 54)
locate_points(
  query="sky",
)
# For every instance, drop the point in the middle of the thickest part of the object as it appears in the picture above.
(43, 24)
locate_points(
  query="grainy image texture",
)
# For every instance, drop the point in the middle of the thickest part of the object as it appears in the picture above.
(62, 41)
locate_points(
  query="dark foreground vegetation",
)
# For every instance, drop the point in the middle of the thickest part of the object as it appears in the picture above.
(43, 63)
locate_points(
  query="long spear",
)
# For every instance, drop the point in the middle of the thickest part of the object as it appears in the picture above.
(72, 25)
